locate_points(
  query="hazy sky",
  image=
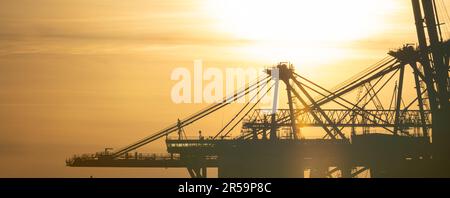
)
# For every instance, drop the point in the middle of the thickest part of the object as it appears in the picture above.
(77, 76)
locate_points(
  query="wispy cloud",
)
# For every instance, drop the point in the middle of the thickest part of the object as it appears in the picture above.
(106, 26)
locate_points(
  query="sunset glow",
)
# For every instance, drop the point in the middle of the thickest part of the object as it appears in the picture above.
(287, 20)
(79, 76)
(284, 30)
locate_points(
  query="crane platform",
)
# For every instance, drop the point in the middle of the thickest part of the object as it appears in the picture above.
(282, 158)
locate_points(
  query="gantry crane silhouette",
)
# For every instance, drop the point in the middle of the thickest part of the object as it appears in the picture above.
(362, 128)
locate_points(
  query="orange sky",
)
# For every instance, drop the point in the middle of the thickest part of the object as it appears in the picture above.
(77, 76)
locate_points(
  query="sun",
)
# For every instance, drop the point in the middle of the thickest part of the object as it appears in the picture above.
(299, 29)
(298, 20)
